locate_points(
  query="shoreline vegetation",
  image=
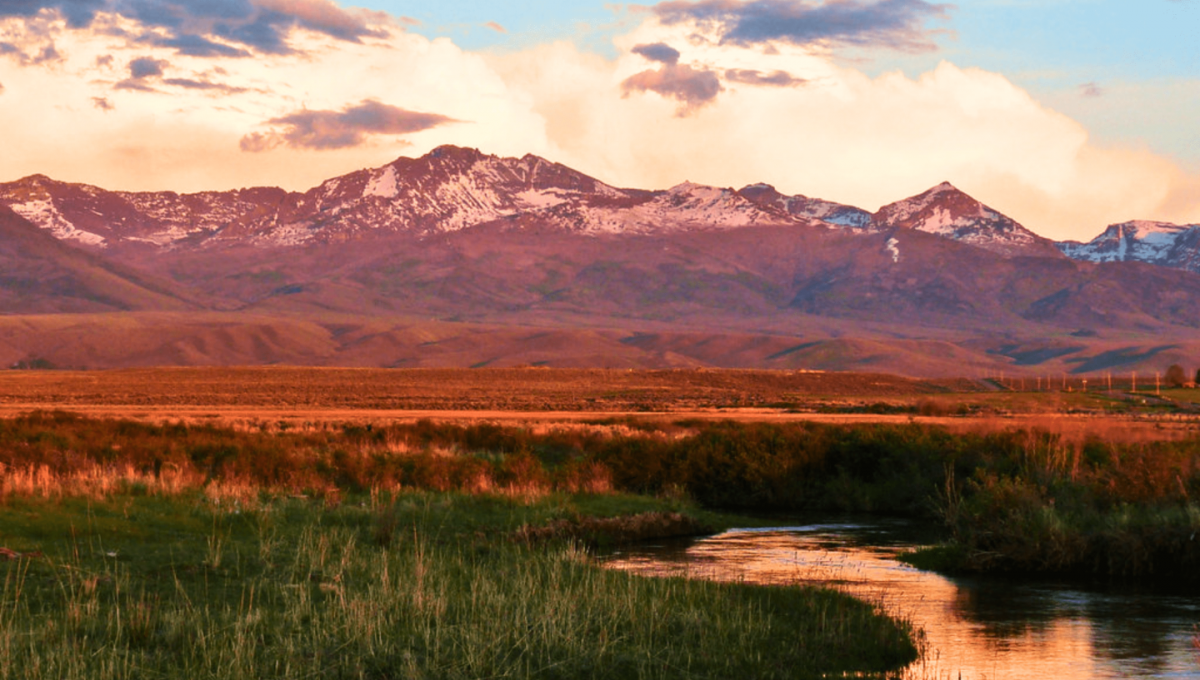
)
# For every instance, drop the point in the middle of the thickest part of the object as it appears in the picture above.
(429, 549)
(1012, 500)
(139, 550)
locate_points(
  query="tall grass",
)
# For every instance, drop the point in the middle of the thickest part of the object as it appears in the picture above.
(294, 589)
(1020, 500)
(54, 454)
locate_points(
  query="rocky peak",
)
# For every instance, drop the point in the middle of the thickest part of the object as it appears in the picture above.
(1159, 243)
(805, 208)
(946, 211)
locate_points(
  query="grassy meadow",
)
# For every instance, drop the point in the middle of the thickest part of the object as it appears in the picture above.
(142, 551)
(447, 550)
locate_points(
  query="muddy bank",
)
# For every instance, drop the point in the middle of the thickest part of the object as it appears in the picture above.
(608, 531)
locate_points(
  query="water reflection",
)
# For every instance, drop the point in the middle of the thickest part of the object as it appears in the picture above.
(975, 628)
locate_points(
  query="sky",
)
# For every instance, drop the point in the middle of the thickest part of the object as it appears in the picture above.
(1067, 115)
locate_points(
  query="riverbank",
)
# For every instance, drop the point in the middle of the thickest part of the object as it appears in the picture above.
(136, 550)
(973, 627)
(424, 585)
(1015, 500)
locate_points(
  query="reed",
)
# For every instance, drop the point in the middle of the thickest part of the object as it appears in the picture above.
(1016, 499)
(292, 588)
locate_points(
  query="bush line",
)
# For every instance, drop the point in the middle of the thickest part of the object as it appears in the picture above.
(1015, 500)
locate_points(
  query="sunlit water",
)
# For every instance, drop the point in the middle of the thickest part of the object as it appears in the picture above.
(975, 628)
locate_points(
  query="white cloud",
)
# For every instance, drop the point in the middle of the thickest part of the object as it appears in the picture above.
(844, 136)
(172, 134)
(835, 133)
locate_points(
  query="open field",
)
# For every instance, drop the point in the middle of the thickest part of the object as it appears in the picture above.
(303, 397)
(452, 389)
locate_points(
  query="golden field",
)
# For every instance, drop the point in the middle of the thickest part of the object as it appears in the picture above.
(296, 395)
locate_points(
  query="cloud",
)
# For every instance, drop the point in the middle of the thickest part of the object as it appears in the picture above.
(895, 24)
(257, 142)
(495, 27)
(844, 135)
(44, 55)
(141, 70)
(692, 87)
(195, 46)
(748, 76)
(660, 52)
(78, 13)
(146, 67)
(49, 53)
(227, 28)
(325, 130)
(322, 16)
(135, 85)
(193, 84)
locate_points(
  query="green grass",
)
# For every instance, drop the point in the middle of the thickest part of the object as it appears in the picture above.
(1014, 500)
(422, 585)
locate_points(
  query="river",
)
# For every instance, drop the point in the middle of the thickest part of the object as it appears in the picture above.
(974, 628)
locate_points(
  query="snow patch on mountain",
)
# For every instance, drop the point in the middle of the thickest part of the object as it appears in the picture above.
(893, 247)
(909, 209)
(808, 209)
(292, 234)
(44, 214)
(535, 199)
(1159, 243)
(847, 216)
(383, 184)
(947, 212)
(684, 206)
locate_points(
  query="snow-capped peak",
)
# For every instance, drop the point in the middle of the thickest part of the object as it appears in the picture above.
(805, 208)
(946, 211)
(1161, 243)
(688, 187)
(1142, 229)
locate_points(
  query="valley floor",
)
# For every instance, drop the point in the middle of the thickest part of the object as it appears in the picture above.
(304, 396)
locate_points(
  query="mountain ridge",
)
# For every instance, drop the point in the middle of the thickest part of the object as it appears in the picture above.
(452, 188)
(1159, 243)
(533, 262)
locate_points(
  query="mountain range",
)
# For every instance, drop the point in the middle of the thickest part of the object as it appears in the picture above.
(462, 258)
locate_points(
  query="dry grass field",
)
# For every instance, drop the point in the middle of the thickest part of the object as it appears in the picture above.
(298, 395)
(521, 389)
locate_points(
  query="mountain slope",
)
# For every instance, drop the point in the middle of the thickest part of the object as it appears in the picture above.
(453, 188)
(533, 262)
(805, 208)
(1158, 243)
(945, 211)
(40, 274)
